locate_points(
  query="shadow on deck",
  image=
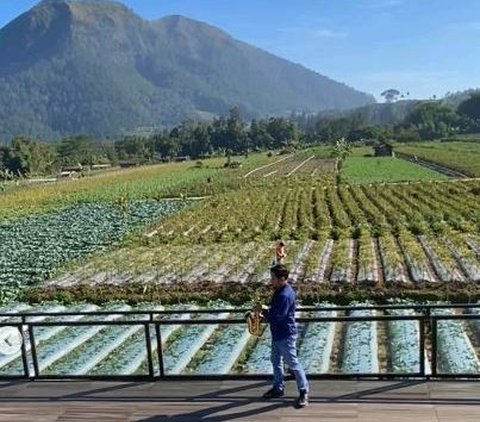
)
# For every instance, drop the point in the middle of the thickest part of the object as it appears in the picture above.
(216, 401)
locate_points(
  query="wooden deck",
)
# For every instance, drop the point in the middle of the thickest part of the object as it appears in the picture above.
(214, 401)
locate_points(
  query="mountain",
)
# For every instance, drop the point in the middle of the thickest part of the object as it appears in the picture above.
(96, 67)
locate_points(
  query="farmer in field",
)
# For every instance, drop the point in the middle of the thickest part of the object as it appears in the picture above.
(281, 317)
(280, 253)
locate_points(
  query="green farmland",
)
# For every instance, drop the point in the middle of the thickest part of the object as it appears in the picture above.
(461, 156)
(384, 169)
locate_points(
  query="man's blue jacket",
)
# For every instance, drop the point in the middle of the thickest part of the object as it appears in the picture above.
(281, 314)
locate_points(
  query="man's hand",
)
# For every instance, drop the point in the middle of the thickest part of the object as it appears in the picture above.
(258, 307)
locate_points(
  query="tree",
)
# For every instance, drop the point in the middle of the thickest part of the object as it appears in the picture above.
(434, 119)
(76, 150)
(469, 110)
(259, 136)
(390, 95)
(165, 145)
(284, 132)
(236, 134)
(27, 157)
(203, 144)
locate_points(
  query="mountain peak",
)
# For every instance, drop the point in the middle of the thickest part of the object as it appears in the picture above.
(97, 67)
(86, 7)
(90, 2)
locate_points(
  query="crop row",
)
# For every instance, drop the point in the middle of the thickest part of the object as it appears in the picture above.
(388, 261)
(297, 209)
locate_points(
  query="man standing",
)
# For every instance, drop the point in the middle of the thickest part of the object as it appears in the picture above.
(281, 317)
(280, 253)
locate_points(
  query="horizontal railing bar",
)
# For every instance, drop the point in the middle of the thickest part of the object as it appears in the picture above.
(455, 317)
(445, 375)
(240, 310)
(223, 321)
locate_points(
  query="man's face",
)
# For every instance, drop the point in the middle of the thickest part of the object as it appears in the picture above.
(275, 281)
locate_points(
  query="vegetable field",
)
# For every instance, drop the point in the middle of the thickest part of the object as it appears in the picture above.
(298, 208)
(377, 235)
(382, 262)
(385, 169)
(32, 249)
(151, 182)
(461, 156)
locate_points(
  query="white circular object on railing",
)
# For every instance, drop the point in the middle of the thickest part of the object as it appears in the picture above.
(10, 340)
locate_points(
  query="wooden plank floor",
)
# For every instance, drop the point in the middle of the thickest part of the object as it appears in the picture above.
(216, 401)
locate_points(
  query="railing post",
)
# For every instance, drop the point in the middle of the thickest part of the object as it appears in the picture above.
(433, 322)
(26, 370)
(422, 346)
(159, 349)
(149, 350)
(33, 350)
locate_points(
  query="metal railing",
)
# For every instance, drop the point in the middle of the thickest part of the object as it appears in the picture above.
(428, 318)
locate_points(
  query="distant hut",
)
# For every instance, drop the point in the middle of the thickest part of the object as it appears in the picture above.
(75, 168)
(128, 164)
(181, 158)
(70, 171)
(384, 149)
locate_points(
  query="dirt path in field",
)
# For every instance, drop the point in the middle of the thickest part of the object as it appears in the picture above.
(454, 174)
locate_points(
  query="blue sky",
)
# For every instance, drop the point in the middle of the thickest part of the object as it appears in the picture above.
(425, 47)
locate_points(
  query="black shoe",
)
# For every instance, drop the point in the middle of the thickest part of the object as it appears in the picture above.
(302, 400)
(273, 393)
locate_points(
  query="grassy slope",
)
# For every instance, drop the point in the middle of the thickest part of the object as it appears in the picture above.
(461, 156)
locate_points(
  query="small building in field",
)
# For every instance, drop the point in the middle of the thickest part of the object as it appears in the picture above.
(70, 171)
(181, 158)
(384, 149)
(76, 168)
(128, 164)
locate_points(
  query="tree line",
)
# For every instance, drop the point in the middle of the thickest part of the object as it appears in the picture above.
(226, 135)
(425, 120)
(231, 134)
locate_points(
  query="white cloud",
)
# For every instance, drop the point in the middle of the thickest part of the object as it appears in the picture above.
(328, 33)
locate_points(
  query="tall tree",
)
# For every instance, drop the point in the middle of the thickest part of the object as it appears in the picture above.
(433, 119)
(76, 150)
(28, 157)
(469, 110)
(390, 95)
(237, 139)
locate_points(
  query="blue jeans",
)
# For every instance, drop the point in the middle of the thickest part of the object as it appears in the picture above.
(286, 350)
